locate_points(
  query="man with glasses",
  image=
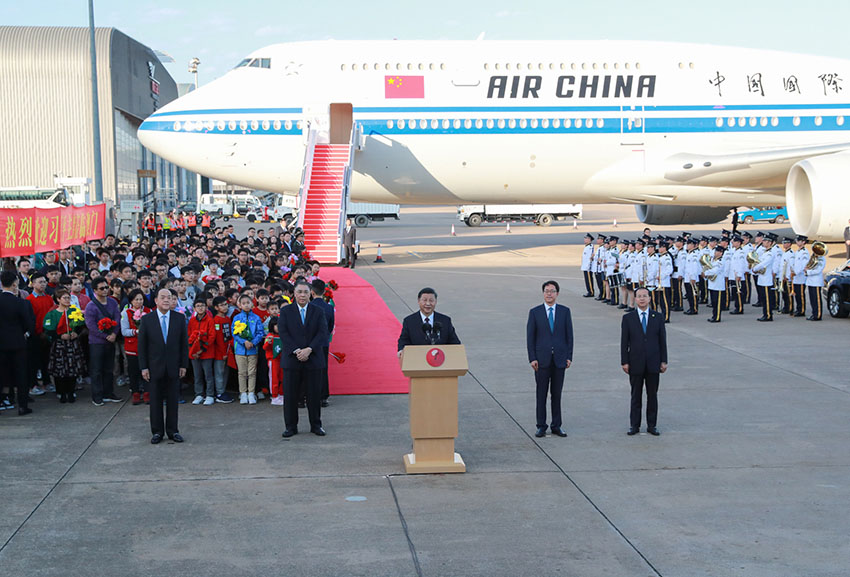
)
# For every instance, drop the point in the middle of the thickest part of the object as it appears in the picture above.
(102, 343)
(549, 338)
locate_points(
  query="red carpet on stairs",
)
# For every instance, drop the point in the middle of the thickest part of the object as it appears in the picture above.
(367, 332)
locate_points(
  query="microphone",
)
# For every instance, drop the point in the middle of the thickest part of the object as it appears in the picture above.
(429, 332)
(437, 327)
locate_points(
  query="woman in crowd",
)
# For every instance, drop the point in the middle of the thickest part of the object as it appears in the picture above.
(130, 318)
(66, 361)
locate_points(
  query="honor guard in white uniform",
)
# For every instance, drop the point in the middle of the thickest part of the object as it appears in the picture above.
(758, 246)
(693, 270)
(764, 270)
(716, 277)
(599, 267)
(785, 286)
(801, 259)
(746, 247)
(724, 243)
(612, 256)
(814, 282)
(652, 273)
(776, 252)
(639, 264)
(703, 249)
(623, 257)
(677, 251)
(665, 279)
(586, 262)
(737, 275)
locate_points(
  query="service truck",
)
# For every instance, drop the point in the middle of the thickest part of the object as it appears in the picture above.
(33, 197)
(362, 213)
(540, 214)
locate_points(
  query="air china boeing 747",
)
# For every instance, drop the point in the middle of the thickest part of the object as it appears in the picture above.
(682, 131)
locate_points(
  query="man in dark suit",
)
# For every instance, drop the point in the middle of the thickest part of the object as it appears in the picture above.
(643, 355)
(549, 338)
(349, 240)
(427, 327)
(318, 289)
(18, 321)
(163, 349)
(303, 334)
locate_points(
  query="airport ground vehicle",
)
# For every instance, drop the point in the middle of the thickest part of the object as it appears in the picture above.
(33, 197)
(540, 214)
(362, 213)
(284, 208)
(226, 205)
(838, 291)
(777, 214)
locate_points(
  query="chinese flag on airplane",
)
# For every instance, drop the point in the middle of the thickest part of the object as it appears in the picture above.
(404, 87)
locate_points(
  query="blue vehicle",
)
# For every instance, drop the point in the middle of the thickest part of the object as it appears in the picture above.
(777, 214)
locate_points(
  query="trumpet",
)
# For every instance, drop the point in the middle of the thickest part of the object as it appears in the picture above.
(819, 249)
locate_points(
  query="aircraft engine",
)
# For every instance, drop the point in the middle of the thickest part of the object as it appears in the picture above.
(818, 196)
(663, 215)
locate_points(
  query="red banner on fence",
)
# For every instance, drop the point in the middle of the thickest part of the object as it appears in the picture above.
(25, 231)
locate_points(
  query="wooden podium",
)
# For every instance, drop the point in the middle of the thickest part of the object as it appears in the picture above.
(433, 372)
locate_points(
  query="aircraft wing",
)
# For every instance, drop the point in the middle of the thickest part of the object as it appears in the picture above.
(687, 167)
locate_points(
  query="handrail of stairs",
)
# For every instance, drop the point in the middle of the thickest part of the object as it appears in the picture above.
(353, 146)
(306, 171)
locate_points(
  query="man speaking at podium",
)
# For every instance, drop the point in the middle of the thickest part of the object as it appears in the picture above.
(427, 327)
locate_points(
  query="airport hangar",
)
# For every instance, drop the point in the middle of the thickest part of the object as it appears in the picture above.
(46, 111)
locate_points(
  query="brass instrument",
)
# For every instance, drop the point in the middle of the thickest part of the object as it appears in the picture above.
(752, 259)
(707, 264)
(819, 249)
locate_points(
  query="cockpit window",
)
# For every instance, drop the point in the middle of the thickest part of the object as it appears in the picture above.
(255, 63)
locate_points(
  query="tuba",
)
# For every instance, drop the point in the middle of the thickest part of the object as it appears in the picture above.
(752, 259)
(819, 249)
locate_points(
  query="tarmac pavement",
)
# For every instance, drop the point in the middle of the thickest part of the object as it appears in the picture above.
(749, 477)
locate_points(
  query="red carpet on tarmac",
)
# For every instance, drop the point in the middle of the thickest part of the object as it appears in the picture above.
(367, 332)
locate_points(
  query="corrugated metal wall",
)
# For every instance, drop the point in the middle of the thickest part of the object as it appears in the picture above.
(45, 105)
(45, 100)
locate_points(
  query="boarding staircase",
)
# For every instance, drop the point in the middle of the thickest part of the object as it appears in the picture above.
(323, 195)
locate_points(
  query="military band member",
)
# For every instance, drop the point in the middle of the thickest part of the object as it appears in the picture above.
(665, 279)
(677, 251)
(764, 280)
(703, 249)
(724, 243)
(599, 266)
(586, 264)
(737, 272)
(623, 257)
(759, 248)
(639, 264)
(716, 277)
(776, 252)
(692, 273)
(612, 256)
(746, 247)
(785, 286)
(651, 279)
(814, 282)
(801, 259)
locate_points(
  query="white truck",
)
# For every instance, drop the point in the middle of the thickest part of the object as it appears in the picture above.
(362, 213)
(285, 208)
(226, 205)
(33, 197)
(540, 214)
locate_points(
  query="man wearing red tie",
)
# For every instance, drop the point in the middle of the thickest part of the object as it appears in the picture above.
(643, 356)
(549, 338)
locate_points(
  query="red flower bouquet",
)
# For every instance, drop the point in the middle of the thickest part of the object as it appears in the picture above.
(106, 324)
(333, 285)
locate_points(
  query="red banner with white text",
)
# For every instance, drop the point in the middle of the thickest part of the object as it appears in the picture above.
(25, 231)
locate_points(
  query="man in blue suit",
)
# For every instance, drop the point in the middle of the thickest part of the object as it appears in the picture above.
(549, 337)
(643, 356)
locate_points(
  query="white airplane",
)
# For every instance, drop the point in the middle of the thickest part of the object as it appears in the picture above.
(682, 131)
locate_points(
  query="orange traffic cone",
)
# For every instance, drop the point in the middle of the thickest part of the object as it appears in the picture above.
(379, 259)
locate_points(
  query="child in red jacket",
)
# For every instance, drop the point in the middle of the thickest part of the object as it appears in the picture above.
(272, 346)
(202, 352)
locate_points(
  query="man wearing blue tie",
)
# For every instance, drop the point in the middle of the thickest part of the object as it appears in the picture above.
(643, 356)
(549, 338)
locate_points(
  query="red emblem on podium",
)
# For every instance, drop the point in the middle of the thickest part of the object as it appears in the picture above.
(435, 357)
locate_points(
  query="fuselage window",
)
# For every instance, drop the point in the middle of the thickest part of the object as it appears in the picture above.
(254, 125)
(556, 123)
(544, 123)
(818, 120)
(342, 67)
(763, 121)
(534, 123)
(354, 67)
(298, 125)
(512, 123)
(265, 124)
(445, 124)
(600, 123)
(501, 123)
(401, 124)
(243, 125)
(730, 121)
(390, 124)
(479, 123)
(796, 121)
(719, 122)
(467, 124)
(435, 123)
(231, 125)
(753, 121)
(423, 124)
(276, 124)
(839, 121)
(774, 121)
(523, 123)
(421, 66)
(486, 66)
(489, 123)
(456, 123)
(220, 125)
(288, 125)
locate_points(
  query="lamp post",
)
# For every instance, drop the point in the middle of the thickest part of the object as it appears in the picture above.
(193, 68)
(98, 172)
